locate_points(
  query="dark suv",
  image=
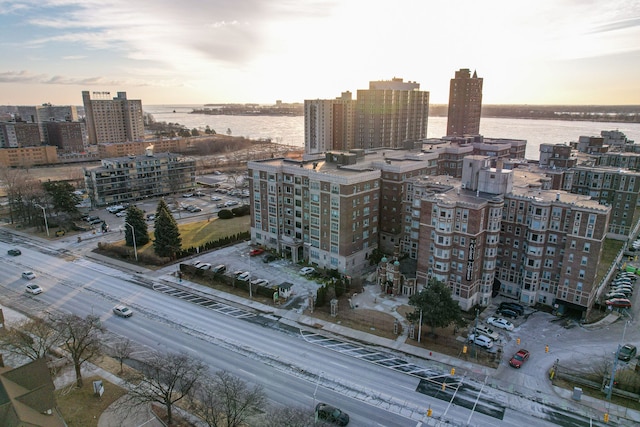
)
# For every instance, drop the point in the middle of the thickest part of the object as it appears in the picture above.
(627, 352)
(331, 414)
(519, 309)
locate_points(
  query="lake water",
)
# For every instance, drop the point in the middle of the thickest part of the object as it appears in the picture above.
(290, 130)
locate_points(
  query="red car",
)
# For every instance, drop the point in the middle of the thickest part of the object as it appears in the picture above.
(257, 251)
(519, 358)
(618, 302)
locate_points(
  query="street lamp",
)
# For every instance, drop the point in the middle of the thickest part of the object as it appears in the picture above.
(44, 214)
(615, 363)
(133, 234)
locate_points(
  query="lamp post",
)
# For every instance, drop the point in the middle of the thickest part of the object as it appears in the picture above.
(44, 214)
(615, 363)
(133, 234)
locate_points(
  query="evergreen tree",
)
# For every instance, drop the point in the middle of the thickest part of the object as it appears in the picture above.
(438, 308)
(167, 235)
(135, 219)
(63, 198)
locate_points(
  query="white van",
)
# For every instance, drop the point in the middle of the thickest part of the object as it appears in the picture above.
(481, 340)
(307, 270)
(244, 277)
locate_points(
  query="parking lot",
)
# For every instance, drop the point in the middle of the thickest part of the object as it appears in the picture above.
(237, 258)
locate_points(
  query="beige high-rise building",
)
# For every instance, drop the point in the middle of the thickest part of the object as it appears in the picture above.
(112, 120)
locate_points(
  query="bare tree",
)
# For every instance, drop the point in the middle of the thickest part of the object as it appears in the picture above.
(81, 339)
(122, 350)
(288, 417)
(226, 400)
(165, 379)
(30, 338)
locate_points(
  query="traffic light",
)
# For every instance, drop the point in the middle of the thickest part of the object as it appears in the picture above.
(453, 371)
(444, 386)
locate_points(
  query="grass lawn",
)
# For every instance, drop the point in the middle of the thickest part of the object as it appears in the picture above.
(80, 407)
(198, 233)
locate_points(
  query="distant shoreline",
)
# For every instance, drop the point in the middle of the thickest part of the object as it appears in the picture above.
(590, 113)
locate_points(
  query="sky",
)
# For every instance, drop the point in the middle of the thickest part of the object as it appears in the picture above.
(570, 52)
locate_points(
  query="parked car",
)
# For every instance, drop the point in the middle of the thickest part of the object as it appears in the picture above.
(95, 221)
(627, 352)
(121, 214)
(616, 295)
(151, 217)
(122, 311)
(204, 266)
(29, 275)
(307, 270)
(14, 252)
(195, 209)
(115, 209)
(186, 195)
(618, 302)
(518, 359)
(481, 340)
(518, 308)
(199, 194)
(269, 257)
(215, 198)
(499, 322)
(219, 269)
(244, 277)
(260, 282)
(34, 289)
(485, 330)
(91, 218)
(621, 288)
(507, 312)
(256, 251)
(331, 414)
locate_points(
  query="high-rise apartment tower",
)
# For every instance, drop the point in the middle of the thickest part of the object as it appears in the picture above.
(112, 120)
(465, 104)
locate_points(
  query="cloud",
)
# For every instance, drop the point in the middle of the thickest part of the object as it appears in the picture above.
(74, 57)
(21, 77)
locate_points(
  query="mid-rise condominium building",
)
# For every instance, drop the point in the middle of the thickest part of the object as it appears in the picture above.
(112, 120)
(131, 178)
(465, 104)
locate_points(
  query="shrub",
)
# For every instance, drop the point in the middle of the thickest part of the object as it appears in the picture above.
(225, 214)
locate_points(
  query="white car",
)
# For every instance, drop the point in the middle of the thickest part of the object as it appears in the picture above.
(485, 330)
(244, 277)
(29, 275)
(307, 270)
(122, 311)
(204, 266)
(481, 340)
(499, 322)
(34, 289)
(260, 282)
